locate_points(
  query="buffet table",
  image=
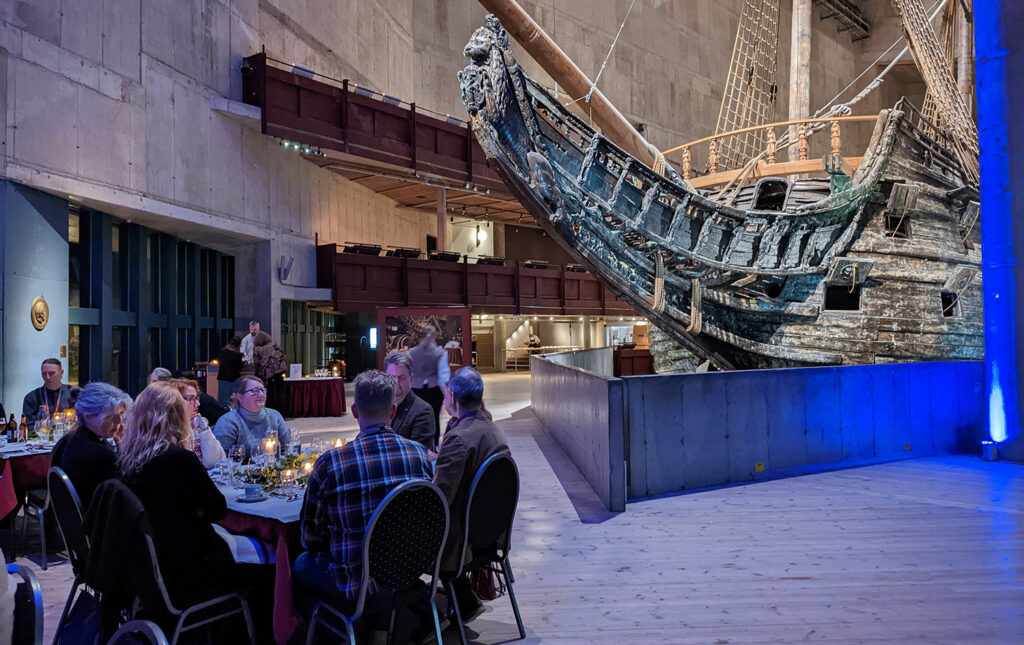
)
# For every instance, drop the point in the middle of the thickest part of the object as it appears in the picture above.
(314, 397)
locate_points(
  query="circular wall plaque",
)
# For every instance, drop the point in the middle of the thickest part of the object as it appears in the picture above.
(40, 313)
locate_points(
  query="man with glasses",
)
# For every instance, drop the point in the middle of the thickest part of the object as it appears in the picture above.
(414, 418)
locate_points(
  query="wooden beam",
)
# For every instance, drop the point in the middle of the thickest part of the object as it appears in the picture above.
(442, 216)
(768, 170)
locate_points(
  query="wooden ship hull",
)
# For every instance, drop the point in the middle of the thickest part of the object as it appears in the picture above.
(876, 264)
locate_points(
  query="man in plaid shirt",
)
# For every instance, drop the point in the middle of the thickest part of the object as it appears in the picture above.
(348, 483)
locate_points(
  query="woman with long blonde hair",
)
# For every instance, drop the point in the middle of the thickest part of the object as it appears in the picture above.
(180, 499)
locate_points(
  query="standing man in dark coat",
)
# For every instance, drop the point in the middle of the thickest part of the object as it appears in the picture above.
(414, 418)
(431, 370)
(53, 396)
(467, 444)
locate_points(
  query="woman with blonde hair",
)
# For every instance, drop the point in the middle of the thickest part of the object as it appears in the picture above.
(203, 442)
(250, 419)
(180, 499)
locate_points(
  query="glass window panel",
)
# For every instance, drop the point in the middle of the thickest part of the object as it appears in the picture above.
(74, 354)
(74, 265)
(117, 279)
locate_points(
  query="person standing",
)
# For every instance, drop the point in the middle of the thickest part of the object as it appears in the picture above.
(431, 373)
(229, 362)
(414, 418)
(249, 342)
(52, 397)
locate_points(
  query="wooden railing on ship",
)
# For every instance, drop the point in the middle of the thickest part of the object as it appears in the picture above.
(769, 166)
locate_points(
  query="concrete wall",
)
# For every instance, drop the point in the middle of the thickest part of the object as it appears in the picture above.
(583, 412)
(33, 263)
(692, 431)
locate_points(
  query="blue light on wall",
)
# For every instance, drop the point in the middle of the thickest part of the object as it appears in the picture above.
(998, 261)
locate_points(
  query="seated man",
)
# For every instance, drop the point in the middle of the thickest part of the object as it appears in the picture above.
(52, 397)
(346, 486)
(467, 444)
(414, 418)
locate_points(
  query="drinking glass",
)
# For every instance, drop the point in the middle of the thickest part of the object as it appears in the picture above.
(238, 456)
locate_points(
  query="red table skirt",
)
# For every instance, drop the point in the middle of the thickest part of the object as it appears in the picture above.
(19, 475)
(314, 398)
(285, 620)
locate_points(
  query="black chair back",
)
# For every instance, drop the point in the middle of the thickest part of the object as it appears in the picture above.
(404, 537)
(67, 507)
(138, 632)
(491, 508)
(28, 608)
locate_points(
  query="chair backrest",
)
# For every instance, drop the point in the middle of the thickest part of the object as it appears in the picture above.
(491, 507)
(28, 608)
(67, 507)
(150, 586)
(404, 538)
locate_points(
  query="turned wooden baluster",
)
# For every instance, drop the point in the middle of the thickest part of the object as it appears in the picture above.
(713, 157)
(802, 141)
(687, 165)
(770, 148)
(834, 138)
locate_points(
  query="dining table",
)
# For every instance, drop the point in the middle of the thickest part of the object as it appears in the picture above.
(23, 467)
(318, 396)
(274, 520)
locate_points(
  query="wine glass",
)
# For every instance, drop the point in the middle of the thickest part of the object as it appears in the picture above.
(239, 456)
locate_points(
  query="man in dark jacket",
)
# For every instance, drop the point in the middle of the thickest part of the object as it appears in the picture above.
(51, 397)
(467, 444)
(414, 418)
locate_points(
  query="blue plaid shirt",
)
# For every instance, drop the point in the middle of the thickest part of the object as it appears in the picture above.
(344, 489)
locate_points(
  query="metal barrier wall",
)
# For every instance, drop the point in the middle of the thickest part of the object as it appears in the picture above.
(689, 431)
(583, 412)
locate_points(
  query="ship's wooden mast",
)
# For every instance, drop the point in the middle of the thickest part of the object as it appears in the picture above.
(569, 77)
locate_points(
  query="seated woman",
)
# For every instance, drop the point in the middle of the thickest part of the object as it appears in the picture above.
(84, 453)
(181, 501)
(202, 442)
(249, 420)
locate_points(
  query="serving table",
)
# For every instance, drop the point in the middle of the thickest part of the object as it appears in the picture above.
(21, 469)
(314, 397)
(275, 521)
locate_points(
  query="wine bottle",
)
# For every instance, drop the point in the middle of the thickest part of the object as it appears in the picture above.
(12, 429)
(23, 429)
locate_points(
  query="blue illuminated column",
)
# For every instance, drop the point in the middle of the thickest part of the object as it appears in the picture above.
(999, 33)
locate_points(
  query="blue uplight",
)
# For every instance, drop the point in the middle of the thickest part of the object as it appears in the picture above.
(998, 261)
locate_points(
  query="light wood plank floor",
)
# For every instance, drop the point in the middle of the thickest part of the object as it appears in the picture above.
(922, 551)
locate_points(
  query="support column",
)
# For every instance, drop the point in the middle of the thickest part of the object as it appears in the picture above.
(799, 68)
(999, 38)
(587, 341)
(500, 333)
(965, 61)
(442, 219)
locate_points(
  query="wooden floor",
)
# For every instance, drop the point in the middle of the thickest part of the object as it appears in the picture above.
(922, 551)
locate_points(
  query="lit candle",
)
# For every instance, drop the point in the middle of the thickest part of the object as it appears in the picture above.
(338, 443)
(308, 466)
(268, 445)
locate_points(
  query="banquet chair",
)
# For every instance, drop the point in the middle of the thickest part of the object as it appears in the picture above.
(136, 632)
(37, 502)
(403, 540)
(154, 599)
(67, 508)
(28, 608)
(490, 510)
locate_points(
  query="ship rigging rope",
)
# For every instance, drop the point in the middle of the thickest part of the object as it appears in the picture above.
(593, 86)
(659, 283)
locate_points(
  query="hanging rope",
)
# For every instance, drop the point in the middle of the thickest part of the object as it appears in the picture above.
(696, 307)
(593, 86)
(659, 283)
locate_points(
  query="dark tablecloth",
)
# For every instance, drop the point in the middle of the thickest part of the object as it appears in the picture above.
(19, 475)
(286, 620)
(314, 398)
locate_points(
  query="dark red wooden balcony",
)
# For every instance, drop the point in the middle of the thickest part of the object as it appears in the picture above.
(366, 282)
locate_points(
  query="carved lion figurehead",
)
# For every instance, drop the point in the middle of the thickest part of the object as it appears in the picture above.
(479, 45)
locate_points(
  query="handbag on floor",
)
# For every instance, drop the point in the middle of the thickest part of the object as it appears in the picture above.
(485, 584)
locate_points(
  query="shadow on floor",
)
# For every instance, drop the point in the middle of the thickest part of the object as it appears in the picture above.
(585, 501)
